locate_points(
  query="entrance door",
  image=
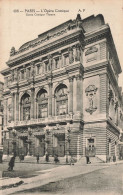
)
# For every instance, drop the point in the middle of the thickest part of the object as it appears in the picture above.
(59, 147)
(90, 150)
(25, 149)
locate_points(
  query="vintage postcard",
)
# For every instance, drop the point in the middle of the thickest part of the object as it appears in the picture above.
(61, 97)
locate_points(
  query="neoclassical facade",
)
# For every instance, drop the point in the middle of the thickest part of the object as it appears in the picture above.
(61, 93)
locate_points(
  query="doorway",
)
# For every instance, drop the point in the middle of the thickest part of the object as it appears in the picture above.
(90, 149)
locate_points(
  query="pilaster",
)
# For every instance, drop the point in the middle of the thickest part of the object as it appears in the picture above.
(78, 93)
(70, 106)
(17, 105)
(32, 102)
(50, 99)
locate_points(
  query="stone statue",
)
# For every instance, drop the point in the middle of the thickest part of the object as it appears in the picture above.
(78, 53)
(71, 59)
(12, 52)
(90, 92)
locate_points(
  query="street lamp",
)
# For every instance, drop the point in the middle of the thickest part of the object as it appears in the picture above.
(68, 139)
(14, 132)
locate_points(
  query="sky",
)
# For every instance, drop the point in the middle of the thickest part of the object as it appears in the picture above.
(17, 28)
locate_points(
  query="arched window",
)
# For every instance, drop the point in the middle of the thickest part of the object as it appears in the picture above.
(25, 107)
(42, 98)
(61, 100)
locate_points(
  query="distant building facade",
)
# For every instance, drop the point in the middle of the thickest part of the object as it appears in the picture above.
(1, 115)
(61, 93)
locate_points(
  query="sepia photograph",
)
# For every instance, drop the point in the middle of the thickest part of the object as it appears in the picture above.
(61, 97)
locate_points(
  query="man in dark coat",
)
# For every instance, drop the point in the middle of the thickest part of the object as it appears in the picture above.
(37, 158)
(11, 163)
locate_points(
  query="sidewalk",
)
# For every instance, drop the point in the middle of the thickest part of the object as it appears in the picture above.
(56, 174)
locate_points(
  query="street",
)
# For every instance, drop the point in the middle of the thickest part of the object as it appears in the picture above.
(24, 170)
(106, 181)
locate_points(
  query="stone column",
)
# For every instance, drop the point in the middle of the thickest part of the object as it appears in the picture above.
(50, 100)
(50, 62)
(35, 110)
(5, 112)
(78, 93)
(17, 106)
(74, 94)
(32, 102)
(78, 53)
(53, 105)
(13, 106)
(46, 140)
(29, 140)
(25, 73)
(67, 142)
(70, 107)
(60, 60)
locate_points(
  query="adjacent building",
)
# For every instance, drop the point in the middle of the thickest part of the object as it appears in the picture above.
(1, 116)
(61, 93)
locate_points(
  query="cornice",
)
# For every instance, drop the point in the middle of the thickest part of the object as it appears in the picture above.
(113, 126)
(96, 67)
(117, 66)
(114, 81)
(94, 36)
(5, 72)
(69, 38)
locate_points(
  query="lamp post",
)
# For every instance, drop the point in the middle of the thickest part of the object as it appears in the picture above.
(47, 130)
(29, 141)
(14, 141)
(68, 143)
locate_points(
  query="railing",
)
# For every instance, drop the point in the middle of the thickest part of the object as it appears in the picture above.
(52, 119)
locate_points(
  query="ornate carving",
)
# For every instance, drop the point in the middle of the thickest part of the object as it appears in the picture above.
(12, 76)
(78, 77)
(71, 59)
(78, 53)
(110, 94)
(12, 52)
(116, 104)
(16, 75)
(69, 27)
(10, 112)
(92, 49)
(32, 69)
(71, 79)
(50, 62)
(90, 92)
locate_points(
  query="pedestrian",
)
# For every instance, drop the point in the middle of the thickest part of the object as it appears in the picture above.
(56, 158)
(87, 160)
(71, 161)
(11, 163)
(47, 156)
(37, 158)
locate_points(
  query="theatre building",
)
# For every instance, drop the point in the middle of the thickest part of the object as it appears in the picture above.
(61, 93)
